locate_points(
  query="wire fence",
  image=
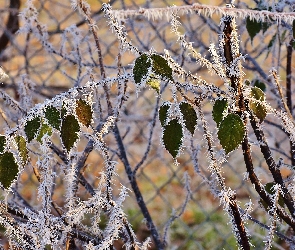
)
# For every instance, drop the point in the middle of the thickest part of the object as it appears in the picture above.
(203, 224)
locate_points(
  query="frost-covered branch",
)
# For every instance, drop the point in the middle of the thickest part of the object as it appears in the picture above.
(206, 10)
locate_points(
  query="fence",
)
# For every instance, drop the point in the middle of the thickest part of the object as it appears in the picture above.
(203, 224)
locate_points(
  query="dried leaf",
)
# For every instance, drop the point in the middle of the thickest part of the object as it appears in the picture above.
(84, 112)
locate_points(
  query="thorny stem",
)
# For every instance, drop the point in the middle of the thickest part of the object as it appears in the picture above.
(289, 92)
(236, 84)
(234, 209)
(91, 24)
(272, 165)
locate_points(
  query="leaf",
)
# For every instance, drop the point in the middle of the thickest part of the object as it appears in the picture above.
(219, 110)
(231, 132)
(260, 85)
(163, 113)
(258, 109)
(172, 137)
(160, 67)
(265, 26)
(2, 143)
(269, 188)
(69, 131)
(154, 83)
(84, 112)
(253, 27)
(141, 68)
(53, 117)
(45, 129)
(32, 127)
(22, 148)
(8, 169)
(271, 42)
(189, 116)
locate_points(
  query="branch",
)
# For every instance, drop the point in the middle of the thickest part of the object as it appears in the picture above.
(138, 195)
(12, 24)
(207, 10)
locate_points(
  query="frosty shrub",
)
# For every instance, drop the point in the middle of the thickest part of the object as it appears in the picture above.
(207, 103)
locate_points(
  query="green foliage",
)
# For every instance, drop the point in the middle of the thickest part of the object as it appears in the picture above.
(2, 143)
(160, 67)
(22, 148)
(69, 131)
(84, 112)
(8, 169)
(32, 128)
(141, 68)
(189, 116)
(172, 137)
(260, 85)
(45, 129)
(53, 117)
(258, 109)
(269, 189)
(163, 113)
(231, 132)
(219, 110)
(253, 27)
(160, 70)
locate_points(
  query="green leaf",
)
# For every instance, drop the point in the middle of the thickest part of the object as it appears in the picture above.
(265, 26)
(271, 42)
(32, 127)
(253, 27)
(247, 82)
(231, 132)
(8, 169)
(141, 68)
(189, 116)
(269, 188)
(69, 131)
(163, 113)
(53, 117)
(219, 110)
(84, 112)
(22, 148)
(172, 137)
(2, 143)
(258, 109)
(260, 85)
(160, 67)
(45, 129)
